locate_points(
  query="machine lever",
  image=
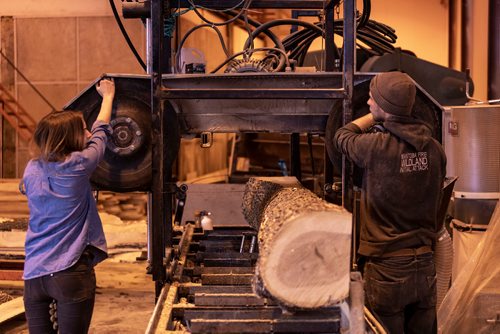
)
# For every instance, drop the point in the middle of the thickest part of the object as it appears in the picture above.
(180, 194)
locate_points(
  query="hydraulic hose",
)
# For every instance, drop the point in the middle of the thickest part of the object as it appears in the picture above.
(266, 26)
(253, 50)
(246, 5)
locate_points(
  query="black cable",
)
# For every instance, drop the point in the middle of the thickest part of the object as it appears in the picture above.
(278, 22)
(367, 50)
(302, 56)
(251, 51)
(379, 30)
(302, 51)
(292, 40)
(376, 36)
(365, 15)
(277, 42)
(125, 35)
(310, 145)
(374, 42)
(302, 46)
(296, 42)
(257, 24)
(247, 28)
(186, 35)
(26, 79)
(383, 28)
(271, 55)
(220, 10)
(299, 42)
(246, 5)
(266, 26)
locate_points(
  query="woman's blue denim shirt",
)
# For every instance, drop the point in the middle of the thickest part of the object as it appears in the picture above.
(63, 212)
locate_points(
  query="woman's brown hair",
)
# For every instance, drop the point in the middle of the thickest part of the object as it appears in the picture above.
(57, 135)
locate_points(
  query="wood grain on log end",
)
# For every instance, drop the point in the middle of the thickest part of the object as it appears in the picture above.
(307, 265)
(304, 244)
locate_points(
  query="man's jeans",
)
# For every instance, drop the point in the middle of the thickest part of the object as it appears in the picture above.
(401, 292)
(73, 290)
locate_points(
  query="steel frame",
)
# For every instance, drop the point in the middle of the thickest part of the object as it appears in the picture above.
(143, 8)
(163, 188)
(271, 4)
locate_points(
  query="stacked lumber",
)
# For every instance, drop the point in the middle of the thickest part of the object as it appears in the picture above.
(127, 206)
(304, 244)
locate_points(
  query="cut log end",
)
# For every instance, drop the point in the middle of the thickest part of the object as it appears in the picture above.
(307, 266)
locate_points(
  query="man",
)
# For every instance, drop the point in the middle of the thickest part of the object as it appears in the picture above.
(404, 169)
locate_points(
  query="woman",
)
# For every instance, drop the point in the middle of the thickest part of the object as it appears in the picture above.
(65, 238)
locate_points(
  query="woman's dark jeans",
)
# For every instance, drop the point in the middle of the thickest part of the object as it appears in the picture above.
(401, 292)
(73, 290)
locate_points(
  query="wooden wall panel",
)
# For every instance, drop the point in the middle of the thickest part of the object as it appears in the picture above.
(102, 48)
(8, 134)
(46, 49)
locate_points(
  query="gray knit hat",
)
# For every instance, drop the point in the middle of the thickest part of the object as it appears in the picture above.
(394, 92)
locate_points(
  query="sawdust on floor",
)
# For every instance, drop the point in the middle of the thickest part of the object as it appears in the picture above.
(125, 293)
(124, 298)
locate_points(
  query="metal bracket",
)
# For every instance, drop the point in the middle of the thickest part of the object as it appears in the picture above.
(180, 194)
(206, 139)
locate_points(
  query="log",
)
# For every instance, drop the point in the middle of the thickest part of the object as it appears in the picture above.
(258, 192)
(304, 244)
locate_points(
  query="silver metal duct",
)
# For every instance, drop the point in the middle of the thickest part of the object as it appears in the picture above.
(472, 144)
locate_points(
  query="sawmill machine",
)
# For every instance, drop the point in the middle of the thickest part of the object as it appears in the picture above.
(268, 94)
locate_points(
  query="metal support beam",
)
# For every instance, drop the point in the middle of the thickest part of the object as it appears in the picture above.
(466, 35)
(254, 93)
(348, 80)
(142, 9)
(329, 40)
(348, 68)
(271, 4)
(160, 174)
(8, 159)
(295, 161)
(329, 67)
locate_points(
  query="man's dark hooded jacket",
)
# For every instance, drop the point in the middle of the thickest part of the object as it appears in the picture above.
(404, 169)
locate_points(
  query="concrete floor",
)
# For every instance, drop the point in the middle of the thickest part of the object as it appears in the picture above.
(125, 293)
(124, 300)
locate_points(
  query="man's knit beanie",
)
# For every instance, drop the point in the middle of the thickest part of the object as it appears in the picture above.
(394, 92)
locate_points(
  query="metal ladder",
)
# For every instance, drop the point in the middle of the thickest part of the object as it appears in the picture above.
(16, 115)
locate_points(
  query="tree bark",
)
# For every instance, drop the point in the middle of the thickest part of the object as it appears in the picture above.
(304, 244)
